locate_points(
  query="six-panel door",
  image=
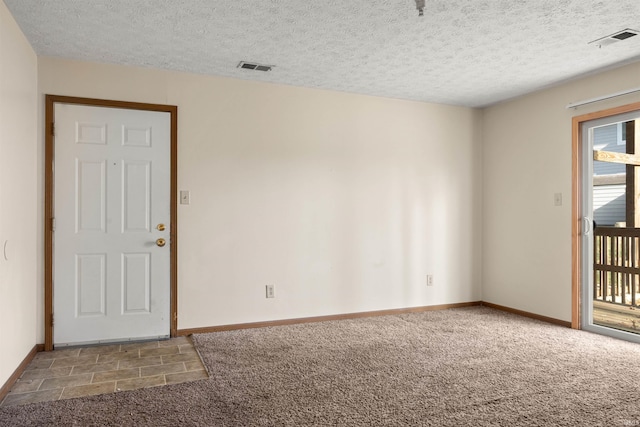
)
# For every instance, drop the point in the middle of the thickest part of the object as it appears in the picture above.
(112, 205)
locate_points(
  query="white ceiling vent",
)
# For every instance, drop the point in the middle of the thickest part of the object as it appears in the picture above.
(615, 37)
(253, 66)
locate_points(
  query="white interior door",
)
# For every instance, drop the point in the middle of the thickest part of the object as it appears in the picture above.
(112, 204)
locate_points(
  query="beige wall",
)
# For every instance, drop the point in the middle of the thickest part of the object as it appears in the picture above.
(527, 158)
(18, 196)
(344, 202)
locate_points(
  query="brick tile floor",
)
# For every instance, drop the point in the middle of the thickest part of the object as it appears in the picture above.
(86, 371)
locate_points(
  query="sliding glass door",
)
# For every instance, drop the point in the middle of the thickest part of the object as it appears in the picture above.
(611, 226)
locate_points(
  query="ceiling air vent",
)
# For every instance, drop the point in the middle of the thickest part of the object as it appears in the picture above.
(256, 67)
(615, 37)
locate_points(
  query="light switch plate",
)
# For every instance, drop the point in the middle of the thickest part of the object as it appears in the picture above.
(557, 199)
(185, 197)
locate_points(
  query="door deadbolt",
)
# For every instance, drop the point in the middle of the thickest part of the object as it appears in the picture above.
(160, 227)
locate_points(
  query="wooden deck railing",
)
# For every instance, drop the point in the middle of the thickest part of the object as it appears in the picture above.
(616, 265)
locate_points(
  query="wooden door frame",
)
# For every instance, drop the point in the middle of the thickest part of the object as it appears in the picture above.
(576, 203)
(49, 120)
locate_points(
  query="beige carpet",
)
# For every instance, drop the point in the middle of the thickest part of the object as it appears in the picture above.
(474, 366)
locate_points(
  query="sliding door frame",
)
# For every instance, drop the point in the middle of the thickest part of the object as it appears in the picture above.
(576, 204)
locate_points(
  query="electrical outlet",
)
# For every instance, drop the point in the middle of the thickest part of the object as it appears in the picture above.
(429, 279)
(271, 291)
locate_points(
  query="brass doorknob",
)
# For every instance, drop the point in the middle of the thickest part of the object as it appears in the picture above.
(161, 242)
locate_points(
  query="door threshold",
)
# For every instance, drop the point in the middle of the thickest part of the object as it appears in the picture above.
(112, 341)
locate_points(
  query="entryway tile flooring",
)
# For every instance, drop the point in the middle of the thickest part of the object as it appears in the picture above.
(86, 371)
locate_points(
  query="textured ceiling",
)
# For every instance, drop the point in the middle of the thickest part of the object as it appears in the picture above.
(463, 52)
